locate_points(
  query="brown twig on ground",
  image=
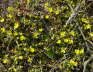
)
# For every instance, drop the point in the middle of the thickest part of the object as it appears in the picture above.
(75, 12)
(86, 62)
(90, 42)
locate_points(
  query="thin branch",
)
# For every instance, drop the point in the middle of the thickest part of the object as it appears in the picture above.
(55, 65)
(9, 43)
(73, 15)
(88, 49)
(86, 62)
(75, 12)
(3, 68)
(90, 42)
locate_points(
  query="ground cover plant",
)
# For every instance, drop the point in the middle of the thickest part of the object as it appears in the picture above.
(46, 36)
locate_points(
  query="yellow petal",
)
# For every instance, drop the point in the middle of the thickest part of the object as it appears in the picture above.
(91, 34)
(20, 57)
(3, 29)
(62, 34)
(58, 42)
(22, 37)
(16, 25)
(47, 16)
(32, 50)
(2, 20)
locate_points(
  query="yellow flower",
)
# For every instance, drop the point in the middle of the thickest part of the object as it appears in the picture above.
(15, 33)
(70, 41)
(62, 33)
(22, 37)
(3, 29)
(32, 50)
(14, 69)
(57, 11)
(9, 32)
(47, 16)
(20, 57)
(87, 26)
(5, 61)
(29, 59)
(58, 42)
(46, 4)
(35, 35)
(82, 51)
(40, 43)
(50, 10)
(26, 21)
(79, 52)
(16, 25)
(2, 20)
(40, 30)
(10, 15)
(66, 40)
(63, 50)
(20, 33)
(73, 63)
(91, 34)
(72, 33)
(10, 9)
(85, 20)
